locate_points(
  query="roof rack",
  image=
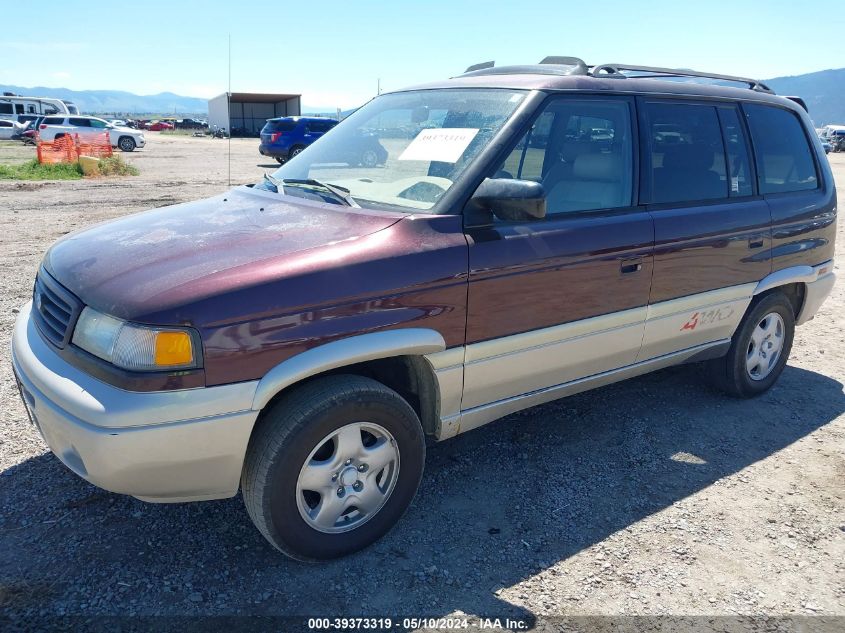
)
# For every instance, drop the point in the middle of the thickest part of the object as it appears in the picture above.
(560, 60)
(480, 66)
(615, 70)
(577, 66)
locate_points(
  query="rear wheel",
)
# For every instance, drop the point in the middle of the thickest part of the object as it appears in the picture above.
(297, 149)
(126, 143)
(332, 466)
(759, 349)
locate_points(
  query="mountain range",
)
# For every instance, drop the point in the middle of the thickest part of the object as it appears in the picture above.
(823, 91)
(117, 101)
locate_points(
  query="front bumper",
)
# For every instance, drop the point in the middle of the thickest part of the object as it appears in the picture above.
(162, 446)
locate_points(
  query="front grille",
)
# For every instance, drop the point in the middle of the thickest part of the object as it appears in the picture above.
(55, 310)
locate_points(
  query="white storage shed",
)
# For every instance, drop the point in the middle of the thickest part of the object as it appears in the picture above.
(244, 113)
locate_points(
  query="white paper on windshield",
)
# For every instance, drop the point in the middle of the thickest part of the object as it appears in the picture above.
(441, 144)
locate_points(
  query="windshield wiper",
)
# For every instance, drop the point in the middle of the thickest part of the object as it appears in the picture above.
(341, 193)
(274, 182)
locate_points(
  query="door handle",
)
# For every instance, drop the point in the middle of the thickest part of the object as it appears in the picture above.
(755, 242)
(629, 266)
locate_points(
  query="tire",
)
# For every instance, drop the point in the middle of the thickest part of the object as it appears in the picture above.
(745, 372)
(369, 158)
(296, 442)
(296, 149)
(126, 143)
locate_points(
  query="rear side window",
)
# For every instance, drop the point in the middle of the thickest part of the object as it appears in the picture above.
(280, 126)
(784, 160)
(687, 154)
(80, 122)
(6, 108)
(53, 120)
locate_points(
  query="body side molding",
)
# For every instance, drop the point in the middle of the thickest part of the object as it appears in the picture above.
(343, 352)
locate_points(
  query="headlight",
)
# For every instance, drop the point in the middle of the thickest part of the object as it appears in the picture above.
(134, 347)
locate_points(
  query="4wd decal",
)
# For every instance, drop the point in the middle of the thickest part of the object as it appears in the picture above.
(691, 323)
(708, 317)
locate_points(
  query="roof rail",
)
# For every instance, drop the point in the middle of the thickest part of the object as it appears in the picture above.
(480, 66)
(615, 70)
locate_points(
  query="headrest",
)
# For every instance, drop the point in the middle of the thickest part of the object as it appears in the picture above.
(605, 167)
(571, 150)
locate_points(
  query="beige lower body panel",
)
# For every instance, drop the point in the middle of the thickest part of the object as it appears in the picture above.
(473, 418)
(484, 381)
(522, 363)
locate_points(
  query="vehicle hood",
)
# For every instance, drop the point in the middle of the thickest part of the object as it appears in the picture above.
(150, 262)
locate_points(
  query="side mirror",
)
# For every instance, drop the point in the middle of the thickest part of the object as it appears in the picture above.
(510, 200)
(420, 114)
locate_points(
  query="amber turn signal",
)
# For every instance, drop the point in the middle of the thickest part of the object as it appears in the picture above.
(173, 348)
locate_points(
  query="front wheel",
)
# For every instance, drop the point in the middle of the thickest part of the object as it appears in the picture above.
(126, 143)
(759, 349)
(369, 158)
(332, 466)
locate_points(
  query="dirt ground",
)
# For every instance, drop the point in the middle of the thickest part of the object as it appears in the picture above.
(653, 496)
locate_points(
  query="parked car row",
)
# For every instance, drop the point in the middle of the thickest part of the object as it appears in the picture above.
(832, 138)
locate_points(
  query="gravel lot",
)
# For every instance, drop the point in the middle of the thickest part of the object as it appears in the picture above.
(653, 496)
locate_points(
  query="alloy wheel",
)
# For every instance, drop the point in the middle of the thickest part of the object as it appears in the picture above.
(765, 346)
(348, 477)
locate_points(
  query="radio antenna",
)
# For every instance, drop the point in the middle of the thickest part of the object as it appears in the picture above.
(229, 109)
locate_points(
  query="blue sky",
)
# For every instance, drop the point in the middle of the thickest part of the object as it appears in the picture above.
(335, 52)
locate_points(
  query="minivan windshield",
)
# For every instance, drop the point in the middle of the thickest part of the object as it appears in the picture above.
(401, 151)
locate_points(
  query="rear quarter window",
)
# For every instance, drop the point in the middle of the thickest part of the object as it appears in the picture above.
(784, 159)
(280, 126)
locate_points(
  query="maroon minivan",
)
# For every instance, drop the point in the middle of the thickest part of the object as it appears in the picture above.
(535, 231)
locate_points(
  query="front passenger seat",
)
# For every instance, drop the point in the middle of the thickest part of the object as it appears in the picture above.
(595, 183)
